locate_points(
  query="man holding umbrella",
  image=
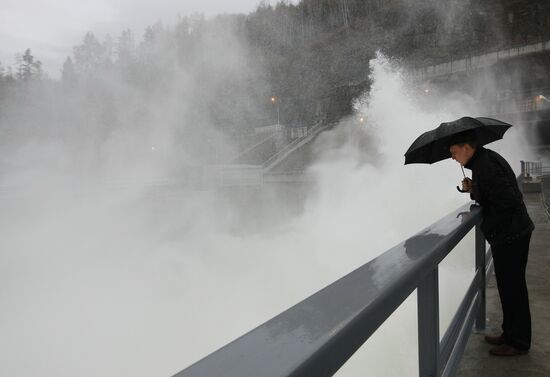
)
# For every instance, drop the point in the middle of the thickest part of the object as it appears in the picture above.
(506, 224)
(507, 227)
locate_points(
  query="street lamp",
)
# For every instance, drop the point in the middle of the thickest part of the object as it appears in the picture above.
(274, 100)
(539, 102)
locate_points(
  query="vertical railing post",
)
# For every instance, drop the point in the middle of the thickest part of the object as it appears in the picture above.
(428, 325)
(480, 266)
(522, 168)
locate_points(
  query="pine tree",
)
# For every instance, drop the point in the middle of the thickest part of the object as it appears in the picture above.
(27, 67)
(126, 48)
(89, 55)
(107, 59)
(68, 73)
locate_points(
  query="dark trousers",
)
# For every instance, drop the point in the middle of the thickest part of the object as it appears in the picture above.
(510, 263)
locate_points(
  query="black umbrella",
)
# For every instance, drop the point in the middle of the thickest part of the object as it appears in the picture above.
(433, 146)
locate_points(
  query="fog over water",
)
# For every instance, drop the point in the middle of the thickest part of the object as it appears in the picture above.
(104, 274)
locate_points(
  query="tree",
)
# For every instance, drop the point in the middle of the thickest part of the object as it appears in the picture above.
(27, 67)
(88, 56)
(126, 54)
(126, 48)
(107, 58)
(68, 73)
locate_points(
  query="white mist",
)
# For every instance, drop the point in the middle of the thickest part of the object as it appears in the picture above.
(113, 281)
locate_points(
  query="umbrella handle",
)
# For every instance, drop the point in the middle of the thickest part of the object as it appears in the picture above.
(460, 190)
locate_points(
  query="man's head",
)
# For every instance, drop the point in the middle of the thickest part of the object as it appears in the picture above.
(463, 147)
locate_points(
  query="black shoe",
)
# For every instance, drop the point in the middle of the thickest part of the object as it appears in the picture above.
(496, 340)
(506, 350)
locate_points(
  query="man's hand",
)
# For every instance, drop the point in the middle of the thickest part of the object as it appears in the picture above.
(467, 185)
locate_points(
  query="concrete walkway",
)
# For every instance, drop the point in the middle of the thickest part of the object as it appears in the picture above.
(476, 361)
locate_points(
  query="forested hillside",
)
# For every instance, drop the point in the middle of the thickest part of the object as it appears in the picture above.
(221, 73)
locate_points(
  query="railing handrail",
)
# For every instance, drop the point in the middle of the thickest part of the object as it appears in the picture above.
(482, 60)
(533, 168)
(254, 146)
(290, 147)
(318, 335)
(545, 199)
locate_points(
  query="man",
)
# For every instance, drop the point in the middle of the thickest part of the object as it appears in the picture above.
(507, 227)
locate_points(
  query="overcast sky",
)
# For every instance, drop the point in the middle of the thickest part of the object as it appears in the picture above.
(50, 28)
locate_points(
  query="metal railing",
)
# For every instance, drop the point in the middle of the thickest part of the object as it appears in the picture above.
(536, 171)
(318, 335)
(533, 169)
(545, 192)
(524, 101)
(479, 61)
(295, 144)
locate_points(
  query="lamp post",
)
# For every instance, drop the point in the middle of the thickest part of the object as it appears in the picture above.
(362, 120)
(275, 100)
(539, 101)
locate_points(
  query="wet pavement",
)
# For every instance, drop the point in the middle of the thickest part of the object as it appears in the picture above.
(476, 360)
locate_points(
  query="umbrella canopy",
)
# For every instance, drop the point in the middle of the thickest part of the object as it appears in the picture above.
(433, 146)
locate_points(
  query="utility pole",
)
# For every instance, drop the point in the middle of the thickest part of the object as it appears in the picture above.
(275, 100)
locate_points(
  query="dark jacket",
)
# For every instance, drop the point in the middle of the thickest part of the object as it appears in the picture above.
(495, 188)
